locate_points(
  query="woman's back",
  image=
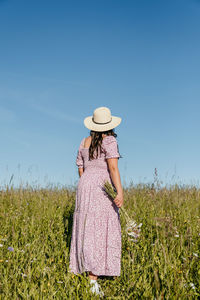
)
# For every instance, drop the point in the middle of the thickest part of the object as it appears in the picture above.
(109, 149)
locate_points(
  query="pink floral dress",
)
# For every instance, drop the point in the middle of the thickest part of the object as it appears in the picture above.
(96, 232)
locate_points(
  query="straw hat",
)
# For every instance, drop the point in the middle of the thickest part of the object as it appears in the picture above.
(102, 120)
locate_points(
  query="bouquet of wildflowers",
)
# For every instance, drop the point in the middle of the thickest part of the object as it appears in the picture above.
(132, 229)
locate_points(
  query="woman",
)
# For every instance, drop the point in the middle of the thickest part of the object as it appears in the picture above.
(96, 232)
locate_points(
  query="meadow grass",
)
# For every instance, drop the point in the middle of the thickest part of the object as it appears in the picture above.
(163, 264)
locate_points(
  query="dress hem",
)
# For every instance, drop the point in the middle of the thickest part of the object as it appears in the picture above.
(94, 272)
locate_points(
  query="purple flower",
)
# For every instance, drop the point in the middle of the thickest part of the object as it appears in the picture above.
(11, 249)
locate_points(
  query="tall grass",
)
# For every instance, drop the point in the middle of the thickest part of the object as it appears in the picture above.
(35, 237)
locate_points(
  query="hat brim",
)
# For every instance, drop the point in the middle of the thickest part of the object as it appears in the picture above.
(88, 122)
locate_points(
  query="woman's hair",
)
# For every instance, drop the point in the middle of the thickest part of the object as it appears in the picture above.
(96, 142)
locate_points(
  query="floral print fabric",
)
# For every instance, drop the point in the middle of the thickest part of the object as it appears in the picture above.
(96, 232)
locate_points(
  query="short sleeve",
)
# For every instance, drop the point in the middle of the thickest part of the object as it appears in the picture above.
(110, 147)
(79, 158)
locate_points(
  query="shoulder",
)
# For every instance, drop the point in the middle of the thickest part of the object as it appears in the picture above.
(109, 140)
(82, 142)
(110, 147)
(87, 139)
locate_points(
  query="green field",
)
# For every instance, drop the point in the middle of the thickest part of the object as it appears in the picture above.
(163, 264)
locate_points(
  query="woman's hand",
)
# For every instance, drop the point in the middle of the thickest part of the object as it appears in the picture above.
(115, 176)
(119, 200)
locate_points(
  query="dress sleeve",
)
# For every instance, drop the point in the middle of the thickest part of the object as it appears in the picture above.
(79, 158)
(110, 147)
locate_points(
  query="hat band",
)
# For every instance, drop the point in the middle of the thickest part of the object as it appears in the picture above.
(101, 123)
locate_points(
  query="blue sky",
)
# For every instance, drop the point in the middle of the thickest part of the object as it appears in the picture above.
(59, 60)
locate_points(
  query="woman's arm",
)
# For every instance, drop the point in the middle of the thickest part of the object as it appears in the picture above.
(80, 171)
(115, 176)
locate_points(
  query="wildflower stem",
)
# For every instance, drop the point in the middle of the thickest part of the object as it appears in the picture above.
(110, 191)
